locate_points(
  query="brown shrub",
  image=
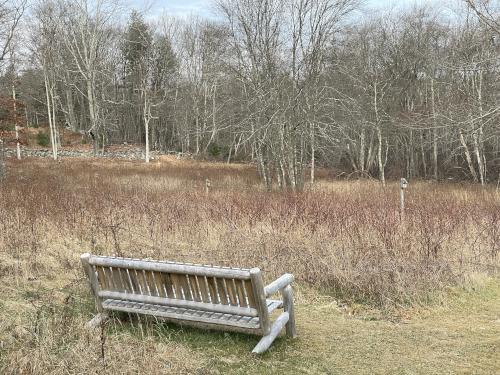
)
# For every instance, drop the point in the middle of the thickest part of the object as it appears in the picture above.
(344, 237)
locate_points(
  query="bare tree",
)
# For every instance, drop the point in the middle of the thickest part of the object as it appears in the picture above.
(11, 12)
(84, 28)
(487, 11)
(287, 84)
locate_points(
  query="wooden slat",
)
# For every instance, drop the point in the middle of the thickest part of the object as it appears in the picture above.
(212, 288)
(152, 284)
(188, 294)
(167, 284)
(194, 288)
(159, 285)
(124, 279)
(134, 276)
(117, 282)
(114, 279)
(176, 285)
(172, 314)
(240, 288)
(147, 287)
(231, 292)
(202, 285)
(132, 281)
(102, 278)
(178, 268)
(222, 291)
(109, 278)
(249, 293)
(140, 282)
(234, 310)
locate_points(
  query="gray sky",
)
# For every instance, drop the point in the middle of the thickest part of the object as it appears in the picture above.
(203, 7)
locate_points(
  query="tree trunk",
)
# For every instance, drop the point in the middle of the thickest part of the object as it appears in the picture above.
(18, 144)
(50, 113)
(434, 132)
(468, 157)
(313, 150)
(379, 136)
(380, 160)
(92, 114)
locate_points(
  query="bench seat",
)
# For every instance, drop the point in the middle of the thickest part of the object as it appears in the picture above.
(174, 314)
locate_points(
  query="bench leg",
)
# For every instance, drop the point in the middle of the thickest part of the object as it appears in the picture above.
(266, 341)
(288, 306)
(97, 320)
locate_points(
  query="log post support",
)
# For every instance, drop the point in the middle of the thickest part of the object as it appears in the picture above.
(94, 282)
(260, 297)
(266, 341)
(288, 307)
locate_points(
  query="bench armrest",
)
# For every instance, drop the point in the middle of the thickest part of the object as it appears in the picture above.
(278, 284)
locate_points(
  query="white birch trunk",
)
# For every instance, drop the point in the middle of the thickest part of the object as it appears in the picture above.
(50, 113)
(18, 144)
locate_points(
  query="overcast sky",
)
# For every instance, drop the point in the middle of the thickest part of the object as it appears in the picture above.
(204, 7)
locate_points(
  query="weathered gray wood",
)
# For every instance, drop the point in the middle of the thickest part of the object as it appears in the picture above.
(211, 307)
(97, 320)
(194, 288)
(197, 321)
(178, 268)
(266, 341)
(203, 288)
(222, 291)
(240, 289)
(231, 292)
(101, 278)
(249, 293)
(288, 307)
(94, 283)
(273, 305)
(278, 284)
(201, 296)
(260, 300)
(213, 290)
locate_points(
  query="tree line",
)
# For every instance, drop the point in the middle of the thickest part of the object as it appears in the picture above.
(286, 84)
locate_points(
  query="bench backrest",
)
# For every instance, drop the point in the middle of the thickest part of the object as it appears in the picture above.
(210, 288)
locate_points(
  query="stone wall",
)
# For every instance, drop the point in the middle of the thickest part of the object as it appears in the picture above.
(130, 154)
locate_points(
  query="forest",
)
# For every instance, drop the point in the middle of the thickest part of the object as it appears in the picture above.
(289, 85)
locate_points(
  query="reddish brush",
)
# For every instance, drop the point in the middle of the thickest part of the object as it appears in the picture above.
(346, 237)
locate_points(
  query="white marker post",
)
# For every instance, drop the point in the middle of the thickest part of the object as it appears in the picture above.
(207, 186)
(2, 168)
(402, 187)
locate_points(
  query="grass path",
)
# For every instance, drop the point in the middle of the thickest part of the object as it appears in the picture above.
(463, 337)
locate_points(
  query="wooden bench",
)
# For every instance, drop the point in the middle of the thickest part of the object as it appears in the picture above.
(229, 299)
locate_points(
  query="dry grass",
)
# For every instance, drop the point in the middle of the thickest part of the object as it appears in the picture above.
(346, 237)
(344, 241)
